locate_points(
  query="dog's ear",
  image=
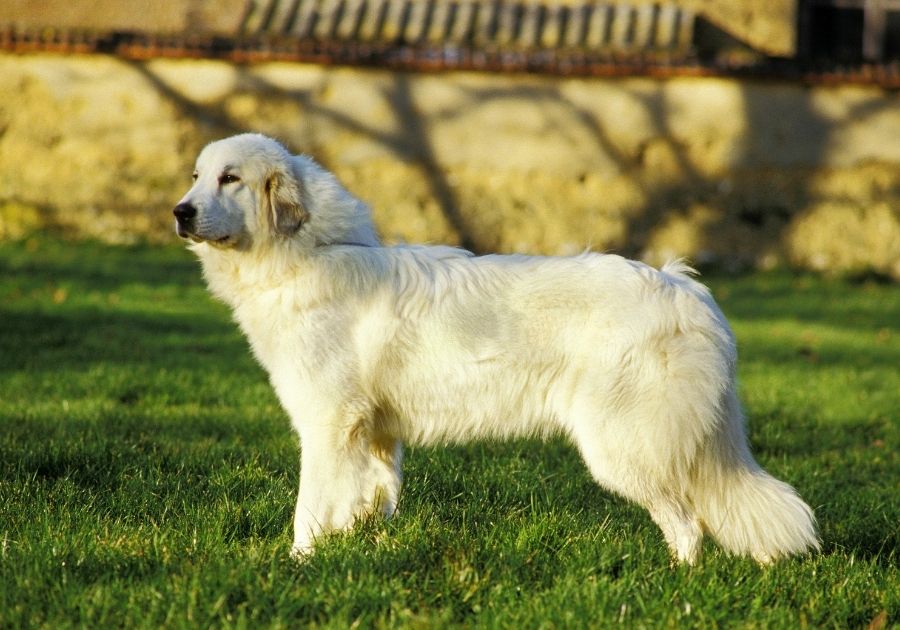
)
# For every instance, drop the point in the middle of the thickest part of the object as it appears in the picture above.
(285, 202)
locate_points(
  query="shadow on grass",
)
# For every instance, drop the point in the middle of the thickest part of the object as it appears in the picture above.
(478, 485)
(84, 336)
(67, 307)
(93, 266)
(804, 298)
(814, 355)
(477, 489)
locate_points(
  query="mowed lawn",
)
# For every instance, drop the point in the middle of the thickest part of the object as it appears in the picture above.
(147, 475)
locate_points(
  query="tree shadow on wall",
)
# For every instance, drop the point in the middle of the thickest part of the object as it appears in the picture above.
(661, 200)
(750, 201)
(746, 202)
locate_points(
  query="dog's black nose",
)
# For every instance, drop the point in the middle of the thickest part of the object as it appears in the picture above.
(184, 212)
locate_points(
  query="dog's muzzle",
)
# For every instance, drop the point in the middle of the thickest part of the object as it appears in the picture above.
(185, 214)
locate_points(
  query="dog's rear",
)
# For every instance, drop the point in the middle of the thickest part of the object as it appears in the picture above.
(667, 431)
(729, 496)
(744, 508)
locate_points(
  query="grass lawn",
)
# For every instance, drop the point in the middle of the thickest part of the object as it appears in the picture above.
(147, 475)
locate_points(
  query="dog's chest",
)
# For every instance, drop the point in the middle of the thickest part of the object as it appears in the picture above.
(273, 326)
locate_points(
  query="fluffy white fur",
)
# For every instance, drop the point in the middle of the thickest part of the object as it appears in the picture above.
(369, 347)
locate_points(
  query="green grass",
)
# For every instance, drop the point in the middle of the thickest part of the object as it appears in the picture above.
(147, 475)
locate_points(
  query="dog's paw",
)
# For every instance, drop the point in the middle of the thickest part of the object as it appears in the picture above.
(301, 551)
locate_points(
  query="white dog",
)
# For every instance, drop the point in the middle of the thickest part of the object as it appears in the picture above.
(370, 346)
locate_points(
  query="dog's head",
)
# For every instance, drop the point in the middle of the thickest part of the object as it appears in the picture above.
(249, 190)
(245, 188)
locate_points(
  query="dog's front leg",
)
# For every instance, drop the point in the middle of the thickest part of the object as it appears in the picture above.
(311, 516)
(346, 473)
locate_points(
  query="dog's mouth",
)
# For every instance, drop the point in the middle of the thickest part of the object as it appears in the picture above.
(187, 234)
(184, 233)
(222, 241)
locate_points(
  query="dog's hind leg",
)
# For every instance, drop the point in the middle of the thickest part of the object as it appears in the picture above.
(626, 454)
(650, 487)
(680, 527)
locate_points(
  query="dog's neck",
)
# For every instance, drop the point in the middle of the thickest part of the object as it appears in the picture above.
(233, 274)
(236, 276)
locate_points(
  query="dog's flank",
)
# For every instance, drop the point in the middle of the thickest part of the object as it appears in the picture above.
(369, 347)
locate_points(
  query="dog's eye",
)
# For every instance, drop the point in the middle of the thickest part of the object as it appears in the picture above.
(228, 178)
(194, 176)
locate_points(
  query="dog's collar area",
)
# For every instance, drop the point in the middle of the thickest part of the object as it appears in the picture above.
(352, 244)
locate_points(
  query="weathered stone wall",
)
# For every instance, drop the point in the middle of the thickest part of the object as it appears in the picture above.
(739, 173)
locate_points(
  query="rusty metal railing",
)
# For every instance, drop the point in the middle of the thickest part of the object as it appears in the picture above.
(523, 25)
(538, 36)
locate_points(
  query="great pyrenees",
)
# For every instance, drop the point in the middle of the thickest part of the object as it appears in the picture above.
(370, 346)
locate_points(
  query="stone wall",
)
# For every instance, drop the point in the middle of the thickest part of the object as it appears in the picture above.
(723, 171)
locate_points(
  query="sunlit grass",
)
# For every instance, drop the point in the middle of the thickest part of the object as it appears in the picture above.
(147, 475)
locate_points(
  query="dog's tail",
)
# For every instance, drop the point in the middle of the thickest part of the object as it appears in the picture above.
(744, 508)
